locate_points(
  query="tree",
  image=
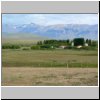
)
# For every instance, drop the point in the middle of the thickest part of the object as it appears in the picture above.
(94, 43)
(68, 41)
(39, 43)
(89, 42)
(78, 41)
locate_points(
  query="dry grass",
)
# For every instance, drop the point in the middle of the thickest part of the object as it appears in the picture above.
(25, 76)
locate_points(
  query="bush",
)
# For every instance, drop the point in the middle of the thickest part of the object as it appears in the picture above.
(8, 46)
(45, 46)
(88, 48)
(35, 47)
(25, 49)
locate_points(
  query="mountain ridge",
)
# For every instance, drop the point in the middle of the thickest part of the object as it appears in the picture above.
(57, 31)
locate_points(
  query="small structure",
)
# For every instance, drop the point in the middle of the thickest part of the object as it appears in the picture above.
(72, 44)
(62, 47)
(79, 46)
(86, 44)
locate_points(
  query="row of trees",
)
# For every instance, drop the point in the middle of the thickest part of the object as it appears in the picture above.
(91, 42)
(52, 44)
(60, 42)
(76, 41)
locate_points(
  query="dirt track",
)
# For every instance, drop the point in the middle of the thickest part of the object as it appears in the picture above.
(27, 76)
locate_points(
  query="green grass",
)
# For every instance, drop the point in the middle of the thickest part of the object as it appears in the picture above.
(49, 58)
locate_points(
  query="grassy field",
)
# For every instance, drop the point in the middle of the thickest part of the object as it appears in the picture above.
(14, 76)
(49, 67)
(49, 58)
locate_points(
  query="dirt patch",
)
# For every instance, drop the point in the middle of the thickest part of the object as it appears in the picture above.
(25, 76)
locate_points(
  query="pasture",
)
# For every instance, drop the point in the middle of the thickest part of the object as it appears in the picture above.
(49, 58)
(49, 67)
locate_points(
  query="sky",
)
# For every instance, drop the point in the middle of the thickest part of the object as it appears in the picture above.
(49, 19)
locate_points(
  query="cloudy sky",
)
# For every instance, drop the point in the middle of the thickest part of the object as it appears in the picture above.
(49, 19)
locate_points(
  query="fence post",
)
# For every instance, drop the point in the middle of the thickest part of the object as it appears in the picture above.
(81, 65)
(87, 68)
(67, 65)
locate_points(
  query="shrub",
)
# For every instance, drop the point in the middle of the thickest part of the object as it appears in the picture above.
(88, 48)
(9, 46)
(35, 47)
(45, 46)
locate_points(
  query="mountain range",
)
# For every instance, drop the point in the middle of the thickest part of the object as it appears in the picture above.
(57, 31)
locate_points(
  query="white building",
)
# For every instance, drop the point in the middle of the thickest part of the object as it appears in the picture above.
(86, 44)
(72, 44)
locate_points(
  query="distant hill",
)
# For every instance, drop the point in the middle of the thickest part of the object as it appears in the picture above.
(59, 31)
(22, 38)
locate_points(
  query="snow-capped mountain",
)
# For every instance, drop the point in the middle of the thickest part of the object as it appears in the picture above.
(59, 31)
